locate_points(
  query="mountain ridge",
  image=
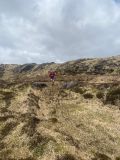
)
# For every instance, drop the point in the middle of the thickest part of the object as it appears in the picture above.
(101, 66)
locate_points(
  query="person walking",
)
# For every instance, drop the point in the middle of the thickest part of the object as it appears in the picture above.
(52, 76)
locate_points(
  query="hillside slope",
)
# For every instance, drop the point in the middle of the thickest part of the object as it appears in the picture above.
(77, 118)
(106, 66)
(92, 66)
(54, 123)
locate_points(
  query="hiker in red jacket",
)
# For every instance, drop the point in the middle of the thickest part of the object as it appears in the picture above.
(52, 75)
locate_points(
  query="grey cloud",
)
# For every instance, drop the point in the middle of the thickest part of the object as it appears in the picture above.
(58, 30)
(17, 8)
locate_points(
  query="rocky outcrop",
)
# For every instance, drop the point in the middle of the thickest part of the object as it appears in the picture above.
(24, 68)
(42, 66)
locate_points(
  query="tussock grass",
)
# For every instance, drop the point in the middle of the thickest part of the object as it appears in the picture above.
(66, 157)
(7, 129)
(99, 156)
(58, 124)
(88, 96)
(113, 96)
(100, 95)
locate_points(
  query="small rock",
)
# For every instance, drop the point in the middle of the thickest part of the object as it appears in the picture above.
(69, 85)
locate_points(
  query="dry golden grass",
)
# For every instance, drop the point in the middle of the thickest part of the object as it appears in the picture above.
(57, 124)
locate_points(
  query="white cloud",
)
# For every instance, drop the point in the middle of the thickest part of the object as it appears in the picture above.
(58, 30)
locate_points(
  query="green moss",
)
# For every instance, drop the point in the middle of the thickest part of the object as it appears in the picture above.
(59, 148)
(40, 149)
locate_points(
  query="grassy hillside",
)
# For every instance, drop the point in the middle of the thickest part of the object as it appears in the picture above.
(106, 66)
(92, 66)
(77, 118)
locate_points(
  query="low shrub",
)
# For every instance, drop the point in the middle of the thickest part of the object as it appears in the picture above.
(100, 95)
(66, 157)
(88, 96)
(79, 90)
(40, 149)
(113, 96)
(54, 120)
(100, 156)
(7, 129)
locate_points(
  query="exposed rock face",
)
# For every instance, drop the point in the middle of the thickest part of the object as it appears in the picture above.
(32, 67)
(24, 68)
(42, 66)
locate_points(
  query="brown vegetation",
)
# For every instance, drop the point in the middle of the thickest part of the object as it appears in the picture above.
(77, 118)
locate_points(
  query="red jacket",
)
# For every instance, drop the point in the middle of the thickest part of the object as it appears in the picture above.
(52, 74)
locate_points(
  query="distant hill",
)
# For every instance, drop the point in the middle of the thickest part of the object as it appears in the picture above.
(92, 66)
(100, 66)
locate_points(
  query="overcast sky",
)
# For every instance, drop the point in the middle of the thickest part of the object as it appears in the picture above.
(58, 30)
